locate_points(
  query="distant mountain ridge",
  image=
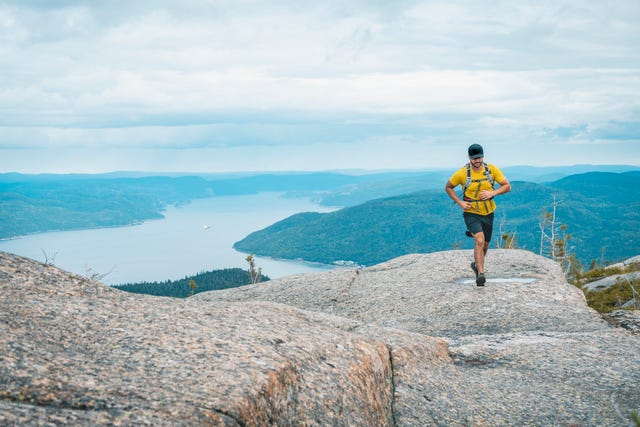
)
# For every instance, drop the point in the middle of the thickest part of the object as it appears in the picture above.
(434, 180)
(52, 202)
(595, 207)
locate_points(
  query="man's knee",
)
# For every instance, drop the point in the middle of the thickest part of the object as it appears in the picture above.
(479, 239)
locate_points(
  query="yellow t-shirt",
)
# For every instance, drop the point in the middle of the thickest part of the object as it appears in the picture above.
(481, 207)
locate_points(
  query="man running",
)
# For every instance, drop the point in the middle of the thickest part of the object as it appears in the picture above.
(477, 180)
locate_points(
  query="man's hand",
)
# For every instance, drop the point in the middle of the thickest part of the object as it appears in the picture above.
(464, 205)
(486, 194)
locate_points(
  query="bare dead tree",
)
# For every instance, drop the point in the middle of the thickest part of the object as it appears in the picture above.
(548, 233)
(634, 293)
(49, 260)
(255, 275)
(95, 276)
(503, 221)
(555, 239)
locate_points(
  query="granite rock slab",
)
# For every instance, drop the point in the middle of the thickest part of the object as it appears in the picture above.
(410, 342)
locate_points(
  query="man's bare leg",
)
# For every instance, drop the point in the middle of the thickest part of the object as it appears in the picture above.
(479, 252)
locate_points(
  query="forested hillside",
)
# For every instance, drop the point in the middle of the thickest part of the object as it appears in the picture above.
(597, 209)
(355, 194)
(202, 282)
(38, 203)
(28, 206)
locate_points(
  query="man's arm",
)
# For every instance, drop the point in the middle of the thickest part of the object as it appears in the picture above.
(449, 188)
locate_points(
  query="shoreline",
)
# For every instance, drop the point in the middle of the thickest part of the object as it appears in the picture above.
(175, 247)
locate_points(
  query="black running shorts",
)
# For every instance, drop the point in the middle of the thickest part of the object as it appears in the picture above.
(477, 223)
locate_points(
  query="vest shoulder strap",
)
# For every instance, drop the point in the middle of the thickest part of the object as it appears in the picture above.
(487, 174)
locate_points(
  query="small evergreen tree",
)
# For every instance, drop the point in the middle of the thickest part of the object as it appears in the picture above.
(192, 286)
(509, 240)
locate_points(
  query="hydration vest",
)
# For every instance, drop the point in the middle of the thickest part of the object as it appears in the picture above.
(487, 177)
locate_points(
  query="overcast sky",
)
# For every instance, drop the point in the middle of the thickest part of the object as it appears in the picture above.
(217, 85)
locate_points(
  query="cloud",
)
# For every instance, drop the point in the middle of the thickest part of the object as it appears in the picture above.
(193, 73)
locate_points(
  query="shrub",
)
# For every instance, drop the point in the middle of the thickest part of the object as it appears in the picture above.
(613, 297)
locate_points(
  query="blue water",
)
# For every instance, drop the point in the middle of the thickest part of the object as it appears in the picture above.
(191, 239)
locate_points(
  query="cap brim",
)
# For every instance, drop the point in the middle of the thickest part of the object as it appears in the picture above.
(477, 156)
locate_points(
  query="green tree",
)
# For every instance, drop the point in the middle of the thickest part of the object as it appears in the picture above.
(192, 286)
(509, 240)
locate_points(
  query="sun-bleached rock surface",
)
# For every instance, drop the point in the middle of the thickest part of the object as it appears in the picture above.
(410, 342)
